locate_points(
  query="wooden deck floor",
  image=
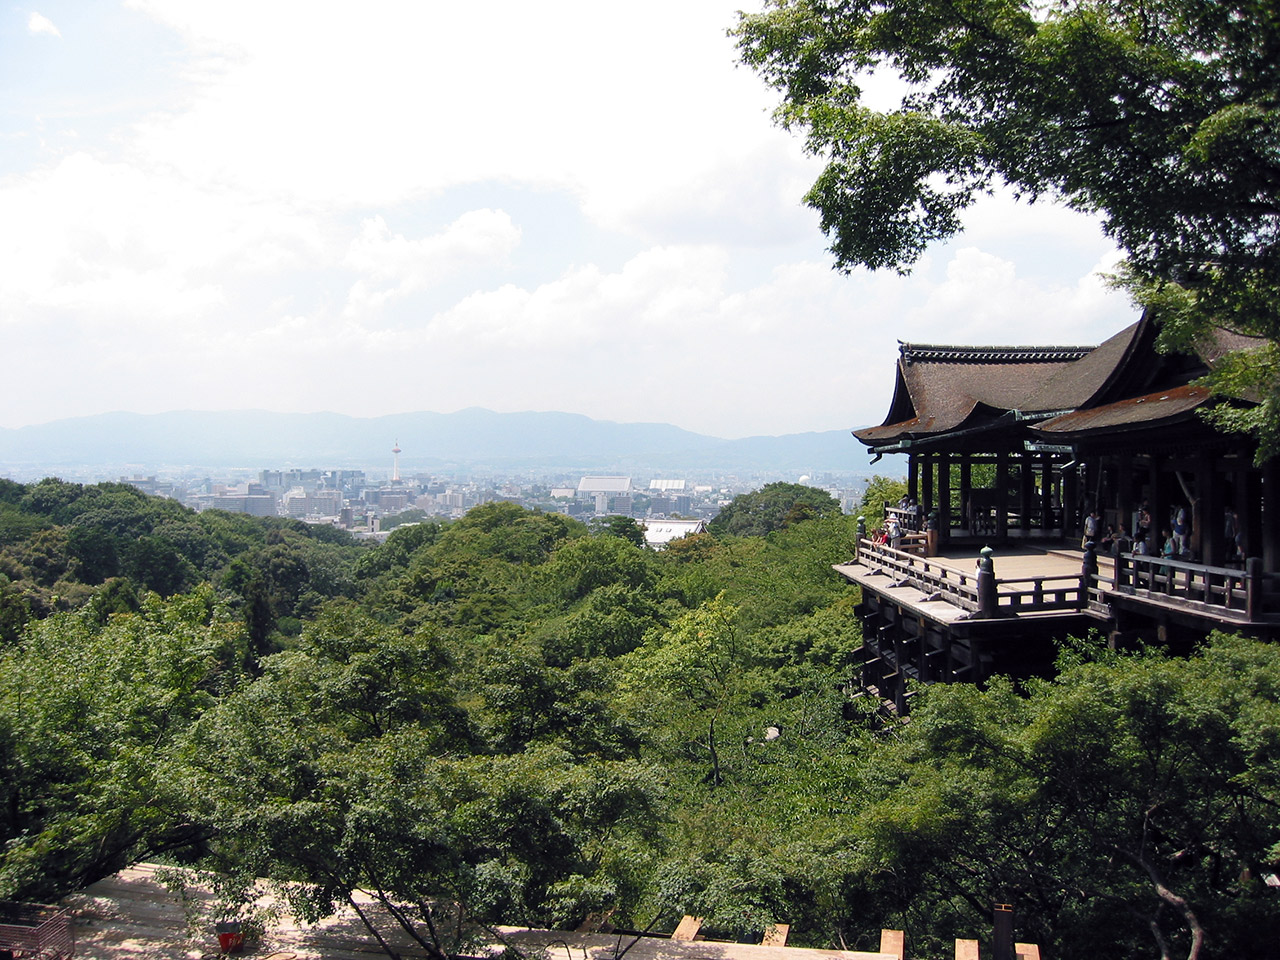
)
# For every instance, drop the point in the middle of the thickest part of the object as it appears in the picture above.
(1014, 563)
(131, 916)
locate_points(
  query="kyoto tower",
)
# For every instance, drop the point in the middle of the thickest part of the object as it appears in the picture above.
(395, 463)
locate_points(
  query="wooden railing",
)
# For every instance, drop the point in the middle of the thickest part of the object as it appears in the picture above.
(1011, 597)
(1245, 592)
(909, 518)
(926, 576)
(1249, 594)
(1032, 594)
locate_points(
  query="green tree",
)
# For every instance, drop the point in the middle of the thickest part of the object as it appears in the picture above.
(1160, 117)
(881, 490)
(92, 714)
(772, 507)
(1129, 806)
(624, 527)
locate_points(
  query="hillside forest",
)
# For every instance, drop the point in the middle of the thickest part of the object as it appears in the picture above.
(541, 721)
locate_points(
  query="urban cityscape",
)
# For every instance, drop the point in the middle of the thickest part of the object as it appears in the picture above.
(371, 503)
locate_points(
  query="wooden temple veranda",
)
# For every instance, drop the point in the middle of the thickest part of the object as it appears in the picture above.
(1011, 449)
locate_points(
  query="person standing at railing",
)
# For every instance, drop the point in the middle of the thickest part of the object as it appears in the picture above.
(1180, 530)
(1092, 527)
(894, 531)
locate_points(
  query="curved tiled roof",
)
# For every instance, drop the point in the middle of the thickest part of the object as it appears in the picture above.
(1131, 413)
(1121, 384)
(942, 388)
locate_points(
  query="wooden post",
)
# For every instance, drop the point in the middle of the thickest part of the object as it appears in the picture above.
(1002, 495)
(1088, 573)
(1026, 481)
(913, 477)
(966, 494)
(1249, 503)
(892, 942)
(1270, 504)
(1002, 937)
(1046, 494)
(1212, 505)
(1253, 588)
(1071, 503)
(1159, 506)
(1124, 492)
(988, 599)
(944, 499)
(926, 485)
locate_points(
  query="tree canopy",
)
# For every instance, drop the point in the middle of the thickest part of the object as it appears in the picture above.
(1161, 116)
(772, 507)
(538, 722)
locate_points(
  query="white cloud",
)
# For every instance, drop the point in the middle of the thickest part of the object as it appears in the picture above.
(620, 105)
(394, 266)
(113, 243)
(338, 209)
(37, 23)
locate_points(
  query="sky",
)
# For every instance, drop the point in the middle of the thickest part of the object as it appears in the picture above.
(389, 207)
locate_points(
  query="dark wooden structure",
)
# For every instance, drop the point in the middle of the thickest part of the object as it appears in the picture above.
(36, 931)
(1015, 446)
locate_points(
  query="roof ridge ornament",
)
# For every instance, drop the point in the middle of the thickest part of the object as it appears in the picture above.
(943, 353)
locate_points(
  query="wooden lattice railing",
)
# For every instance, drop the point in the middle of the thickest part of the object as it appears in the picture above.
(35, 930)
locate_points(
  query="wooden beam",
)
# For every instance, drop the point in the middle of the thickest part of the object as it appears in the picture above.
(966, 950)
(688, 929)
(893, 942)
(1027, 951)
(775, 935)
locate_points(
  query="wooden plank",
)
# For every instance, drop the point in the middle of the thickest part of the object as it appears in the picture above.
(966, 950)
(893, 942)
(688, 929)
(1027, 951)
(775, 935)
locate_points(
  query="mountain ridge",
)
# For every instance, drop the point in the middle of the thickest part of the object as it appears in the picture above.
(473, 438)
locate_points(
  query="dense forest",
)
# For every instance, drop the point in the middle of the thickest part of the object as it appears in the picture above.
(540, 721)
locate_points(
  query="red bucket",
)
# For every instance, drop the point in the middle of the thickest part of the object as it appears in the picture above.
(229, 936)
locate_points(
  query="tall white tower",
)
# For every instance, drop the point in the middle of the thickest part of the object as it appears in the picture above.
(395, 463)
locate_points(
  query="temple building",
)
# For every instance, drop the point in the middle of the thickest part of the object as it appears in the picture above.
(1013, 448)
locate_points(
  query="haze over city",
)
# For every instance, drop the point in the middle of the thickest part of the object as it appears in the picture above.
(579, 207)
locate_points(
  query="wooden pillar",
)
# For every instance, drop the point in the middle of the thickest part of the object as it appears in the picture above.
(1210, 513)
(966, 492)
(1002, 495)
(913, 477)
(1046, 493)
(926, 484)
(1124, 493)
(1270, 502)
(1071, 502)
(1159, 505)
(1249, 506)
(1025, 484)
(944, 498)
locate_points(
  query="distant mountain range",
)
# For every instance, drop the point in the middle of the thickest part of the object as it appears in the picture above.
(473, 440)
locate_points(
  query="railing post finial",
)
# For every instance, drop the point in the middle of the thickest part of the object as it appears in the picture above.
(988, 600)
(859, 536)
